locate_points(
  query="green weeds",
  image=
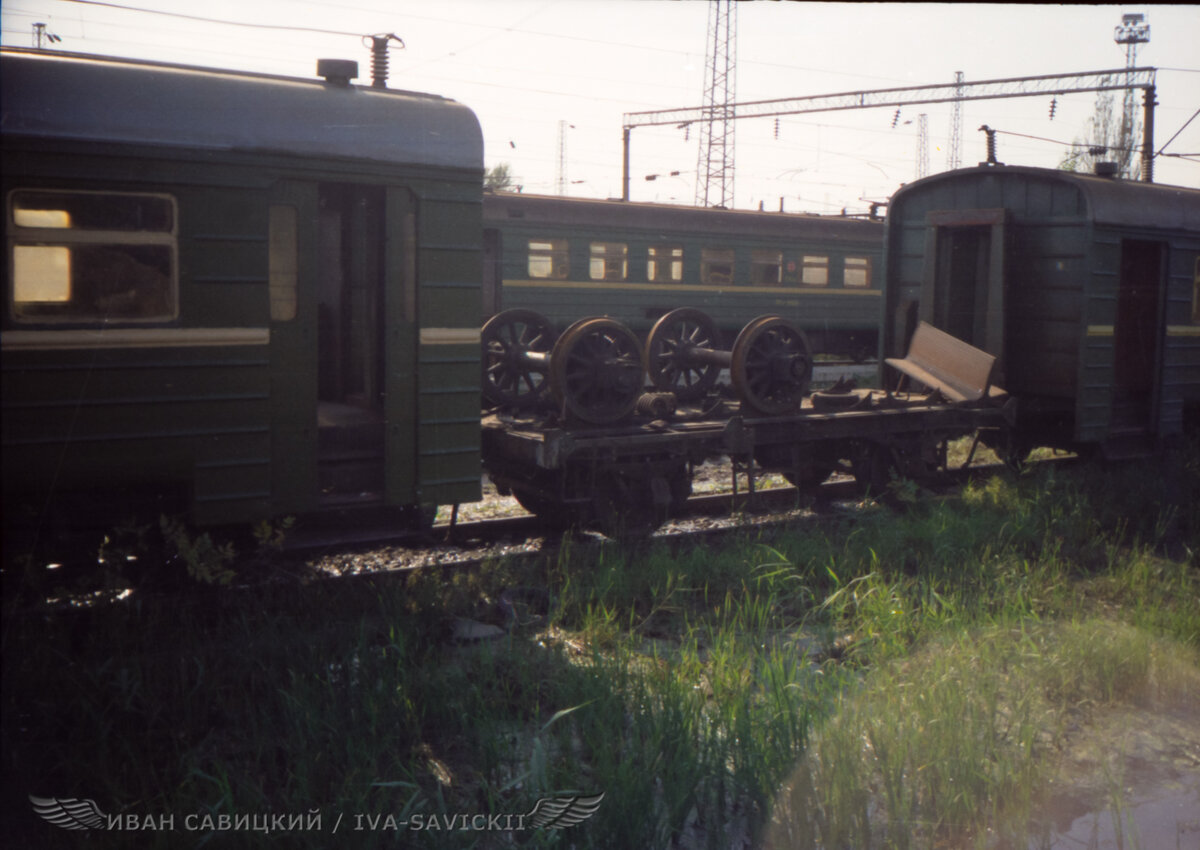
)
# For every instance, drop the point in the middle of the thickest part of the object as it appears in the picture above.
(891, 680)
(948, 746)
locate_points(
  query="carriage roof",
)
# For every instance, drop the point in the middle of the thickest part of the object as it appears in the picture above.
(1109, 200)
(505, 207)
(51, 95)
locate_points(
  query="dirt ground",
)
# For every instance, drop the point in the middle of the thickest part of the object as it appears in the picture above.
(1129, 778)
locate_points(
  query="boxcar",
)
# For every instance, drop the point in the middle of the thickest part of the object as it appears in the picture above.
(255, 294)
(634, 262)
(1086, 288)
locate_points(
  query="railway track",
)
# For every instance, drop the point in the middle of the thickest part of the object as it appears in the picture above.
(376, 551)
(474, 539)
(525, 525)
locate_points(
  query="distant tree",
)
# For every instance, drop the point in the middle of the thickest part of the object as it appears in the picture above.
(1107, 139)
(498, 178)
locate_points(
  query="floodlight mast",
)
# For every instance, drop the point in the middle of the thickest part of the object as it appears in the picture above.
(1133, 31)
(1114, 80)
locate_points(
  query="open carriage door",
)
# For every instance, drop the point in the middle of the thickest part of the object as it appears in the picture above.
(1136, 335)
(367, 344)
(963, 287)
(351, 387)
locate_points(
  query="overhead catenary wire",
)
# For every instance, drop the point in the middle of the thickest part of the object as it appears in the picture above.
(1133, 148)
(207, 20)
(499, 85)
(502, 29)
(1177, 132)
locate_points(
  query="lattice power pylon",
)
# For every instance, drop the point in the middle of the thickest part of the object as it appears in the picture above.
(560, 173)
(922, 146)
(714, 166)
(954, 152)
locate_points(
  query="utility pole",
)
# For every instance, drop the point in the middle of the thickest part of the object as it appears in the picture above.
(561, 172)
(41, 34)
(954, 152)
(1132, 32)
(714, 168)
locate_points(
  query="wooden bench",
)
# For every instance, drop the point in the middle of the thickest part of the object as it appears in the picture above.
(957, 370)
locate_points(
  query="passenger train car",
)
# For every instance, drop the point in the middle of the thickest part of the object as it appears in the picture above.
(257, 293)
(1085, 288)
(634, 262)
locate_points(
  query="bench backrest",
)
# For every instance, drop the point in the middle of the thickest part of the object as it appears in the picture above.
(956, 369)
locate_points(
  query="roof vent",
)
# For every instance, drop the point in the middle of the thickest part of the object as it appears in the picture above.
(1107, 169)
(337, 72)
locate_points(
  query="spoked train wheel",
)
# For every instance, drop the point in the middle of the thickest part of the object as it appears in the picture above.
(596, 371)
(516, 350)
(671, 364)
(772, 366)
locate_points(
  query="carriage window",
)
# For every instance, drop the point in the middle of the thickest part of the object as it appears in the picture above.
(609, 261)
(283, 262)
(716, 265)
(815, 271)
(91, 257)
(766, 266)
(857, 274)
(548, 258)
(665, 264)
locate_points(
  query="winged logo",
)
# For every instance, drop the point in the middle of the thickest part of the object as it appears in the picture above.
(70, 812)
(563, 811)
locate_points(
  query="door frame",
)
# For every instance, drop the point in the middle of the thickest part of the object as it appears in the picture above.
(940, 225)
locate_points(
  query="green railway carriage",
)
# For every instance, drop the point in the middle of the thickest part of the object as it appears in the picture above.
(634, 262)
(258, 294)
(1086, 287)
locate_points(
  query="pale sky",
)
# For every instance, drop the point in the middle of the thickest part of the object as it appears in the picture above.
(524, 66)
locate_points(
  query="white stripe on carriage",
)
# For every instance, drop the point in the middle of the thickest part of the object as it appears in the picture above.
(450, 336)
(75, 338)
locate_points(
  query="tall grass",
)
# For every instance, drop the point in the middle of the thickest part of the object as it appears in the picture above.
(986, 625)
(948, 747)
(878, 680)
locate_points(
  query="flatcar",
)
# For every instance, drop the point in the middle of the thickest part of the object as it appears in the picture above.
(1086, 288)
(635, 262)
(1027, 306)
(255, 294)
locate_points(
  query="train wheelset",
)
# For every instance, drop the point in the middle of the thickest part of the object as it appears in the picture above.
(593, 371)
(770, 364)
(596, 376)
(597, 370)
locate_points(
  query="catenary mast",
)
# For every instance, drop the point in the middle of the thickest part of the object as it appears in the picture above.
(714, 166)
